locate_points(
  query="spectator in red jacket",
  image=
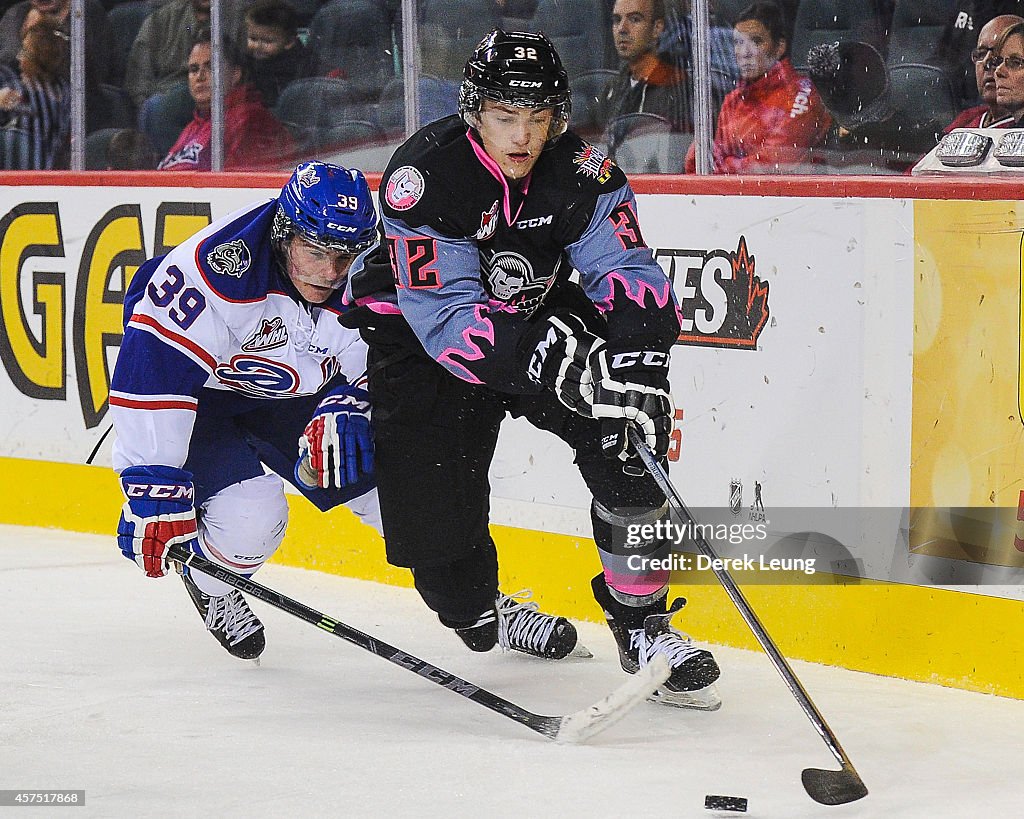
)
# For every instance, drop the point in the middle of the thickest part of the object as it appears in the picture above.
(253, 138)
(775, 115)
(989, 114)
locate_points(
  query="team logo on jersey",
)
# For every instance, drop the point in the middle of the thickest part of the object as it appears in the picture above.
(405, 188)
(258, 377)
(270, 335)
(594, 163)
(230, 258)
(488, 224)
(511, 279)
(307, 177)
(187, 155)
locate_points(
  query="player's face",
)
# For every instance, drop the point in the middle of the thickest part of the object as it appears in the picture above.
(316, 271)
(513, 136)
(1010, 76)
(264, 42)
(756, 51)
(634, 28)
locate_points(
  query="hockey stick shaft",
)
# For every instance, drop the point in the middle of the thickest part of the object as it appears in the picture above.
(575, 727)
(821, 787)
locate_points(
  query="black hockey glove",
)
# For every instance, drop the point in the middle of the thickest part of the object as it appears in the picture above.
(631, 386)
(559, 358)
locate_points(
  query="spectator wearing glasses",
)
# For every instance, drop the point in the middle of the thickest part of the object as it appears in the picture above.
(35, 101)
(253, 137)
(989, 114)
(965, 19)
(1007, 60)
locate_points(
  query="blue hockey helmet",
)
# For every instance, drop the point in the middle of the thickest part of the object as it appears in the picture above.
(329, 206)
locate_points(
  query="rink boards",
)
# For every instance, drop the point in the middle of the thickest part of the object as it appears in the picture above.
(848, 378)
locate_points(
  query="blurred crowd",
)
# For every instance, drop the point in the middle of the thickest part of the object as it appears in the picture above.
(796, 86)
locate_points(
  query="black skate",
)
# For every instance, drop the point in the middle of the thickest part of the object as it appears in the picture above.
(518, 625)
(230, 620)
(644, 632)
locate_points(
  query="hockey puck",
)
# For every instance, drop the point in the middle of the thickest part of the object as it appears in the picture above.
(712, 802)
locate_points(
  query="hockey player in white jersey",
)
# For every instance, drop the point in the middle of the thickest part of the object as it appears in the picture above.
(233, 353)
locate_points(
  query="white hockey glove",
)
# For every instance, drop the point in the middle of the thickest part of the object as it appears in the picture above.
(631, 386)
(560, 360)
(337, 446)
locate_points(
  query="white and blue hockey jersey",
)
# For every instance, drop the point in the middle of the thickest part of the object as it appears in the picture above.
(217, 313)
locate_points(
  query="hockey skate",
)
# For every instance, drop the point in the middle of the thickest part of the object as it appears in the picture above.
(230, 620)
(643, 633)
(518, 625)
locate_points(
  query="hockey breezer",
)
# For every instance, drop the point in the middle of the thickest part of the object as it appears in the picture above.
(570, 728)
(822, 785)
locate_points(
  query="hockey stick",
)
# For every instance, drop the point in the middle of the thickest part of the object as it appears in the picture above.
(576, 727)
(822, 785)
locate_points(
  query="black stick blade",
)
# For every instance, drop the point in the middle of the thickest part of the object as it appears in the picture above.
(834, 787)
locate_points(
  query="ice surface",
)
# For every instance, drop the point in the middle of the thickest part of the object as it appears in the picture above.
(109, 683)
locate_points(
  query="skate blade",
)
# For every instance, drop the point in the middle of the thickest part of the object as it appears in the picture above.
(703, 699)
(580, 651)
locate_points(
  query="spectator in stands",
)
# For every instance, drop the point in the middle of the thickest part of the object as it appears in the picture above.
(253, 138)
(772, 119)
(156, 62)
(35, 100)
(274, 54)
(645, 83)
(958, 39)
(1007, 59)
(20, 16)
(130, 150)
(988, 114)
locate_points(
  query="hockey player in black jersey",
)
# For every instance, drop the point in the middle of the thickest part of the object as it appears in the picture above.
(470, 314)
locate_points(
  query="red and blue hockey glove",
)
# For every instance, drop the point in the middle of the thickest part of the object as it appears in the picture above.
(159, 513)
(337, 446)
(631, 386)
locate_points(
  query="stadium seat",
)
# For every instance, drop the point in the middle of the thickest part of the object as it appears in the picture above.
(924, 104)
(311, 106)
(645, 143)
(124, 21)
(587, 92)
(578, 29)
(438, 98)
(96, 148)
(352, 39)
(916, 28)
(450, 30)
(114, 108)
(346, 135)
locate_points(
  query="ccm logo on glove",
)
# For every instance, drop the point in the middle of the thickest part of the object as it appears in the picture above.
(638, 358)
(159, 491)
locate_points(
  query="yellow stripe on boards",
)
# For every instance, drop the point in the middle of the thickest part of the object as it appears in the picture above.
(932, 635)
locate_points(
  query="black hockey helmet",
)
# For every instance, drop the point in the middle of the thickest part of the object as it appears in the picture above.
(516, 68)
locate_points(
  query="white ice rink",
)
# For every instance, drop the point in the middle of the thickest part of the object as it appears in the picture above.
(108, 683)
